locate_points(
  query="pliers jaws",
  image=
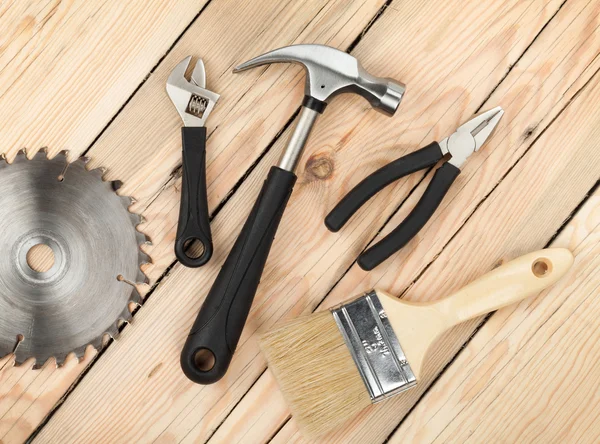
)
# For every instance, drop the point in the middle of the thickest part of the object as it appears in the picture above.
(469, 137)
(191, 98)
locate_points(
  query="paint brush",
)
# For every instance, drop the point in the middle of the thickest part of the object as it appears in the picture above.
(332, 364)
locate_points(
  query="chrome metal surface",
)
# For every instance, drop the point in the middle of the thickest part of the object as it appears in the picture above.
(291, 155)
(469, 137)
(374, 347)
(93, 238)
(193, 101)
(330, 71)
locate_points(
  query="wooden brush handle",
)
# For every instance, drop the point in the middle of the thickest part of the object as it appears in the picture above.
(507, 284)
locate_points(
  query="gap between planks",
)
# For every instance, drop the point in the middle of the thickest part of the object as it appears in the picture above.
(560, 112)
(213, 214)
(410, 194)
(579, 233)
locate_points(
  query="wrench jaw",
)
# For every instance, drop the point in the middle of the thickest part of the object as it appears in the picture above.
(193, 101)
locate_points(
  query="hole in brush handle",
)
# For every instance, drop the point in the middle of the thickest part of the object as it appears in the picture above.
(541, 267)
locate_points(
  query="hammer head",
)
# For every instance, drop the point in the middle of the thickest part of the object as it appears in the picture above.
(330, 71)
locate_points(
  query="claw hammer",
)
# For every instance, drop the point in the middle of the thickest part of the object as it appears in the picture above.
(214, 336)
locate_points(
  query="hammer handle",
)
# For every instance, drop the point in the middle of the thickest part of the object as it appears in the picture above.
(219, 324)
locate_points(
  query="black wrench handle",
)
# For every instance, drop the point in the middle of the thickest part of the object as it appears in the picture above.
(193, 222)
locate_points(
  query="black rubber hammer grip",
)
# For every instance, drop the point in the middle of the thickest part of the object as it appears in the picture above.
(193, 223)
(215, 334)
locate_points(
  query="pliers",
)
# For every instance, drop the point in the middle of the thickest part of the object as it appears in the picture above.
(467, 139)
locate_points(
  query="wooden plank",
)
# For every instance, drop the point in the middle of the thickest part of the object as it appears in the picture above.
(169, 406)
(508, 372)
(531, 216)
(532, 94)
(253, 108)
(66, 68)
(333, 22)
(26, 396)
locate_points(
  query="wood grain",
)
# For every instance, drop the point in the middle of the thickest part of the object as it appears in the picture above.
(336, 22)
(533, 93)
(534, 367)
(62, 79)
(534, 214)
(66, 67)
(26, 396)
(182, 411)
(452, 56)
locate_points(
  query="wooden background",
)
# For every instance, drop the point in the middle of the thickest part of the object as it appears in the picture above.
(89, 76)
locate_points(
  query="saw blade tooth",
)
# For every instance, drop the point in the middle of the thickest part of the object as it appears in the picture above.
(113, 331)
(97, 343)
(5, 351)
(25, 361)
(71, 356)
(125, 315)
(127, 203)
(141, 277)
(144, 258)
(21, 156)
(80, 352)
(98, 172)
(135, 297)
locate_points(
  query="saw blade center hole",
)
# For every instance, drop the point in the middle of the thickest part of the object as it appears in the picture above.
(40, 258)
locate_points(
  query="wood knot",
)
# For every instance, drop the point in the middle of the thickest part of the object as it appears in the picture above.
(529, 132)
(319, 166)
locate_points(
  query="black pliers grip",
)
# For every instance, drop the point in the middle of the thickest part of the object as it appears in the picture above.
(432, 197)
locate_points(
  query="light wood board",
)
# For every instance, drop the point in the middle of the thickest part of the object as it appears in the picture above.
(538, 59)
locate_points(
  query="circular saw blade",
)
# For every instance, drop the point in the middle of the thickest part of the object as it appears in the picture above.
(95, 243)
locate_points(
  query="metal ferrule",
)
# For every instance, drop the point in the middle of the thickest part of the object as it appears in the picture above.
(374, 347)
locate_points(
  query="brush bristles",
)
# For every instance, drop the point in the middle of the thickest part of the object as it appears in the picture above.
(315, 372)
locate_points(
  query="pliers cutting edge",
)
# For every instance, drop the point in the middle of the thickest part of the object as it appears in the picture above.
(466, 140)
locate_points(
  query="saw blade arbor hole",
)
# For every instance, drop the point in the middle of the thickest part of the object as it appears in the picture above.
(40, 258)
